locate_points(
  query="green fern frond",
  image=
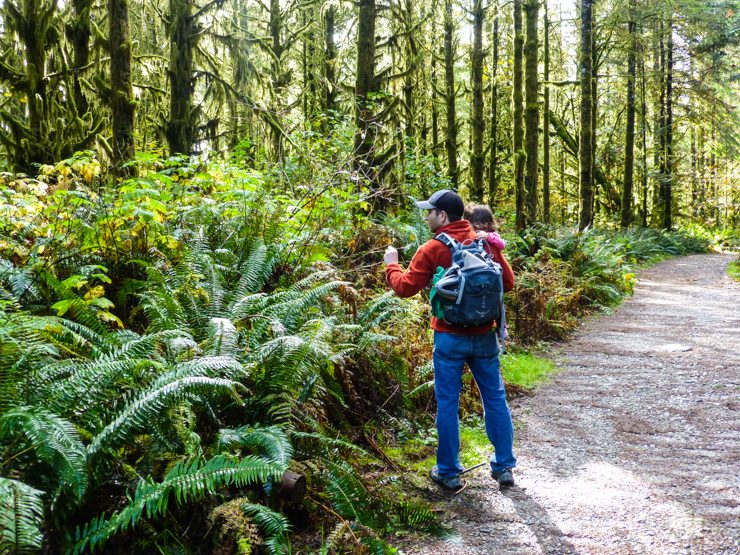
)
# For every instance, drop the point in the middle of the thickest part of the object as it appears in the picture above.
(150, 405)
(309, 444)
(254, 271)
(275, 526)
(271, 440)
(187, 481)
(249, 305)
(350, 498)
(223, 337)
(380, 309)
(78, 310)
(21, 517)
(418, 516)
(54, 441)
(207, 366)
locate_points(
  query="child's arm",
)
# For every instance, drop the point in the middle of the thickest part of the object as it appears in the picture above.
(496, 241)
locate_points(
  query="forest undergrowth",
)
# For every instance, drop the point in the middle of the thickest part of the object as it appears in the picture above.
(171, 345)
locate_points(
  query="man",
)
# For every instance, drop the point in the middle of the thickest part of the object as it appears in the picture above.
(454, 346)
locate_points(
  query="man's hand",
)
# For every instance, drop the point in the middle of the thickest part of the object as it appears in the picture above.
(391, 255)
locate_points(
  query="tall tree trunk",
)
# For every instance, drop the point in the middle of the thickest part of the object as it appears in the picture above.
(183, 33)
(451, 135)
(478, 123)
(79, 34)
(586, 179)
(518, 126)
(643, 120)
(309, 57)
(694, 175)
(121, 94)
(364, 85)
(545, 127)
(409, 79)
(277, 76)
(668, 187)
(702, 175)
(594, 115)
(629, 134)
(436, 143)
(661, 127)
(532, 112)
(492, 177)
(330, 59)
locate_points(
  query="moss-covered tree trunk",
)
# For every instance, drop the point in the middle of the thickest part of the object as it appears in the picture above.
(518, 124)
(411, 61)
(450, 96)
(121, 95)
(532, 112)
(585, 154)
(182, 35)
(629, 134)
(546, 118)
(364, 85)
(668, 175)
(436, 143)
(278, 77)
(643, 123)
(330, 59)
(477, 122)
(78, 32)
(492, 174)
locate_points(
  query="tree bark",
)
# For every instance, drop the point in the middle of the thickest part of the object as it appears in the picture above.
(435, 112)
(546, 118)
(586, 182)
(492, 177)
(277, 76)
(121, 95)
(79, 34)
(411, 64)
(629, 134)
(532, 113)
(518, 124)
(364, 85)
(477, 119)
(330, 59)
(643, 120)
(451, 134)
(668, 186)
(183, 33)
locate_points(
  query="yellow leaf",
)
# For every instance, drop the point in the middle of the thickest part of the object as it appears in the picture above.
(95, 292)
(88, 173)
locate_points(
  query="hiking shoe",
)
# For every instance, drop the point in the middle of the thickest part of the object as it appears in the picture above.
(505, 477)
(451, 483)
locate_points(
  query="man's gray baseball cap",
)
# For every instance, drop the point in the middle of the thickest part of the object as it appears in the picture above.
(446, 200)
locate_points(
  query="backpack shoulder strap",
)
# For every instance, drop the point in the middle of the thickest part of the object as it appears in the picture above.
(447, 241)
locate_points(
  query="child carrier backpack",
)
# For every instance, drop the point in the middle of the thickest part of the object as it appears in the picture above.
(471, 291)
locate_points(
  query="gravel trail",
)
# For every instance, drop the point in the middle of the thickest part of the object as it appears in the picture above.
(634, 447)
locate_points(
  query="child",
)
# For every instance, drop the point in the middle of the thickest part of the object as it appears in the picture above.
(481, 219)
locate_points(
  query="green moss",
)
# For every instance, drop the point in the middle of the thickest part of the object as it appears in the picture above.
(526, 370)
(733, 270)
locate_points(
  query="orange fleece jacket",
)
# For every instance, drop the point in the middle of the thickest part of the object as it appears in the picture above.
(425, 262)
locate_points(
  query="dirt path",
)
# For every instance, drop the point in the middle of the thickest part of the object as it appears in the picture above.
(635, 446)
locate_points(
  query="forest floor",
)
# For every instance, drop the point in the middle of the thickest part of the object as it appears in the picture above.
(634, 446)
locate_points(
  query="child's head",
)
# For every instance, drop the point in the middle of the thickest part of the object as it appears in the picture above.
(480, 217)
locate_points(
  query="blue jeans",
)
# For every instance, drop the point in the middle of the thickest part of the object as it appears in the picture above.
(451, 352)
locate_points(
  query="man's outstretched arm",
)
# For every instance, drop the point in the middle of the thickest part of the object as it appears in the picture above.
(413, 280)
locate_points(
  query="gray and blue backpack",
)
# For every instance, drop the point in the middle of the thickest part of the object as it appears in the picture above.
(471, 291)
